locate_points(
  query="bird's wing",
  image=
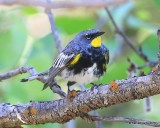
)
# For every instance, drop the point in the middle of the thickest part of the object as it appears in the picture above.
(62, 61)
(106, 53)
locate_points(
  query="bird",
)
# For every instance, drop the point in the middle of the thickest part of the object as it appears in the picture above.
(82, 61)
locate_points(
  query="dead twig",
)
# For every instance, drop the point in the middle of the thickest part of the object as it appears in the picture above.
(53, 28)
(126, 120)
(63, 4)
(15, 72)
(126, 39)
(158, 34)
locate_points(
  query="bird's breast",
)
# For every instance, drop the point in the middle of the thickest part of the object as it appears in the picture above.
(87, 75)
(89, 68)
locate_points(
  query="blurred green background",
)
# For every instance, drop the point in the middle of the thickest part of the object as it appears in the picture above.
(26, 40)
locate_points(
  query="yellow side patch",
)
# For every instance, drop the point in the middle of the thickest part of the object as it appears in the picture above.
(104, 66)
(75, 60)
(96, 42)
(105, 56)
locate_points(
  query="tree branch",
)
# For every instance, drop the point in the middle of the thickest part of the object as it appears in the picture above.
(158, 35)
(61, 111)
(54, 29)
(22, 70)
(62, 4)
(14, 73)
(127, 40)
(126, 120)
(56, 88)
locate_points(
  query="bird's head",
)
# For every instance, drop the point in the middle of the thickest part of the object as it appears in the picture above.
(92, 37)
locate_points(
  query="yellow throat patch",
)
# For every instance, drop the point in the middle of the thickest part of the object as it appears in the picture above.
(96, 42)
(75, 60)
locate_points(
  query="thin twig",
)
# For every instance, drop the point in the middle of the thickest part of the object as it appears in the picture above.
(33, 73)
(127, 40)
(40, 76)
(54, 29)
(98, 122)
(95, 112)
(126, 120)
(158, 34)
(148, 104)
(149, 63)
(139, 52)
(63, 4)
(15, 72)
(22, 70)
(71, 124)
(54, 86)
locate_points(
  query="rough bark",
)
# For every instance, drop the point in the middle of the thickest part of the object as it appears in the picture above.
(61, 111)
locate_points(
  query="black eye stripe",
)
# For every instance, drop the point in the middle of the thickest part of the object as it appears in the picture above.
(87, 36)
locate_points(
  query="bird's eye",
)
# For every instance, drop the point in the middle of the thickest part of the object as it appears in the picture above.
(88, 37)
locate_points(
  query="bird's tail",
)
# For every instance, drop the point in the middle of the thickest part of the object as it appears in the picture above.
(45, 86)
(49, 83)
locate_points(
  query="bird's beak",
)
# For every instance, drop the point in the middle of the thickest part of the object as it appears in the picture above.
(100, 33)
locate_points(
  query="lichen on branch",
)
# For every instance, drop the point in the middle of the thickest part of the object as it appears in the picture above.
(62, 110)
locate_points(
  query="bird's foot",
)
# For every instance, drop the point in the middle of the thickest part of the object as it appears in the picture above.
(71, 95)
(94, 86)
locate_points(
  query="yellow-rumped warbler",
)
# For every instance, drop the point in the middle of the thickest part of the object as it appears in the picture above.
(82, 61)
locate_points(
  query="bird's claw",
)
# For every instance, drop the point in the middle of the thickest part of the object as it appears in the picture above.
(71, 95)
(94, 86)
